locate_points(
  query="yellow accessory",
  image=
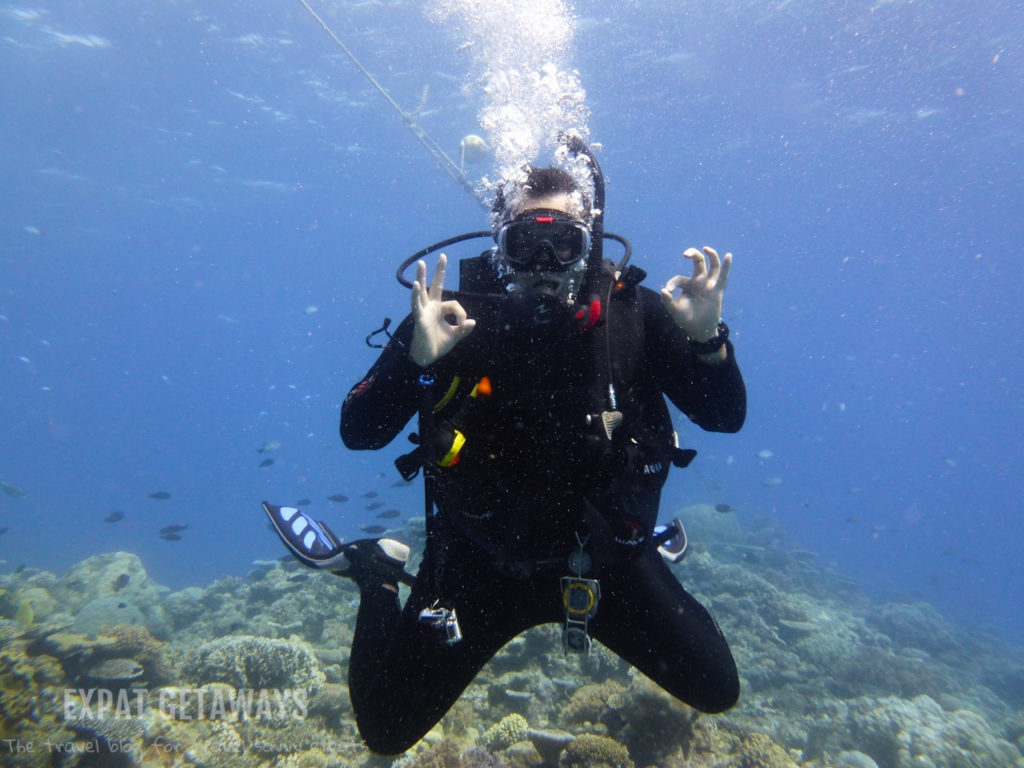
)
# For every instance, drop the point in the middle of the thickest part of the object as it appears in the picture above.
(458, 440)
(571, 606)
(452, 389)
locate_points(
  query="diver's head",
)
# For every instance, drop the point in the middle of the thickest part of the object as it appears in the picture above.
(542, 234)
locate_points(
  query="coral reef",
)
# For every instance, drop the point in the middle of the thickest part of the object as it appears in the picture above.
(898, 733)
(31, 690)
(122, 656)
(237, 674)
(447, 754)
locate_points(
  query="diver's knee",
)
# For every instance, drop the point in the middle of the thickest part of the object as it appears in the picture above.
(384, 741)
(718, 698)
(387, 734)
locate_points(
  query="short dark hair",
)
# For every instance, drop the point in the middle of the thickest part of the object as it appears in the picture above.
(537, 183)
(541, 182)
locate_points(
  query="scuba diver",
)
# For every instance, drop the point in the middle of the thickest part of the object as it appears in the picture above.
(544, 439)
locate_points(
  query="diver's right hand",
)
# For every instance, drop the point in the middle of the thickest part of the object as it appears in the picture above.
(440, 325)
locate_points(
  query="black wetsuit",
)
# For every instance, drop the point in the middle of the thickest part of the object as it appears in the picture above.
(532, 479)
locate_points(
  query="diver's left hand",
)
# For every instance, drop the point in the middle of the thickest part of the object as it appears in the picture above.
(698, 307)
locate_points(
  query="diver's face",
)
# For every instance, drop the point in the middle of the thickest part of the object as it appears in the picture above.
(543, 249)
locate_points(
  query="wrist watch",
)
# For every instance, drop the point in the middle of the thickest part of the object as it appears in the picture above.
(714, 343)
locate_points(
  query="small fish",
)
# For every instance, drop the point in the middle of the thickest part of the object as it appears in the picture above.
(273, 445)
(337, 497)
(372, 529)
(160, 495)
(388, 513)
(370, 495)
(170, 536)
(303, 503)
(401, 483)
(121, 581)
(266, 462)
(374, 505)
(114, 516)
(11, 490)
(3, 530)
(25, 614)
(764, 454)
(723, 508)
(175, 528)
(115, 670)
(771, 482)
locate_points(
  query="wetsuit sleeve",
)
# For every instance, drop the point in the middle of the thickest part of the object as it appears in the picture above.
(381, 404)
(712, 395)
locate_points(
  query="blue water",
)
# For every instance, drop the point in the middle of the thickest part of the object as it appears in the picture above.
(183, 183)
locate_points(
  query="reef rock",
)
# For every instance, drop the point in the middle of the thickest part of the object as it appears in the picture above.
(854, 760)
(112, 588)
(103, 612)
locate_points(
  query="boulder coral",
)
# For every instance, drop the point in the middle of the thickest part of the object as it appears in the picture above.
(506, 732)
(247, 661)
(758, 750)
(651, 723)
(590, 750)
(137, 642)
(589, 702)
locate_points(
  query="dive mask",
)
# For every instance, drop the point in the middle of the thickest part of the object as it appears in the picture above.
(543, 239)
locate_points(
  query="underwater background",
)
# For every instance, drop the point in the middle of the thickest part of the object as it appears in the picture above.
(202, 207)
